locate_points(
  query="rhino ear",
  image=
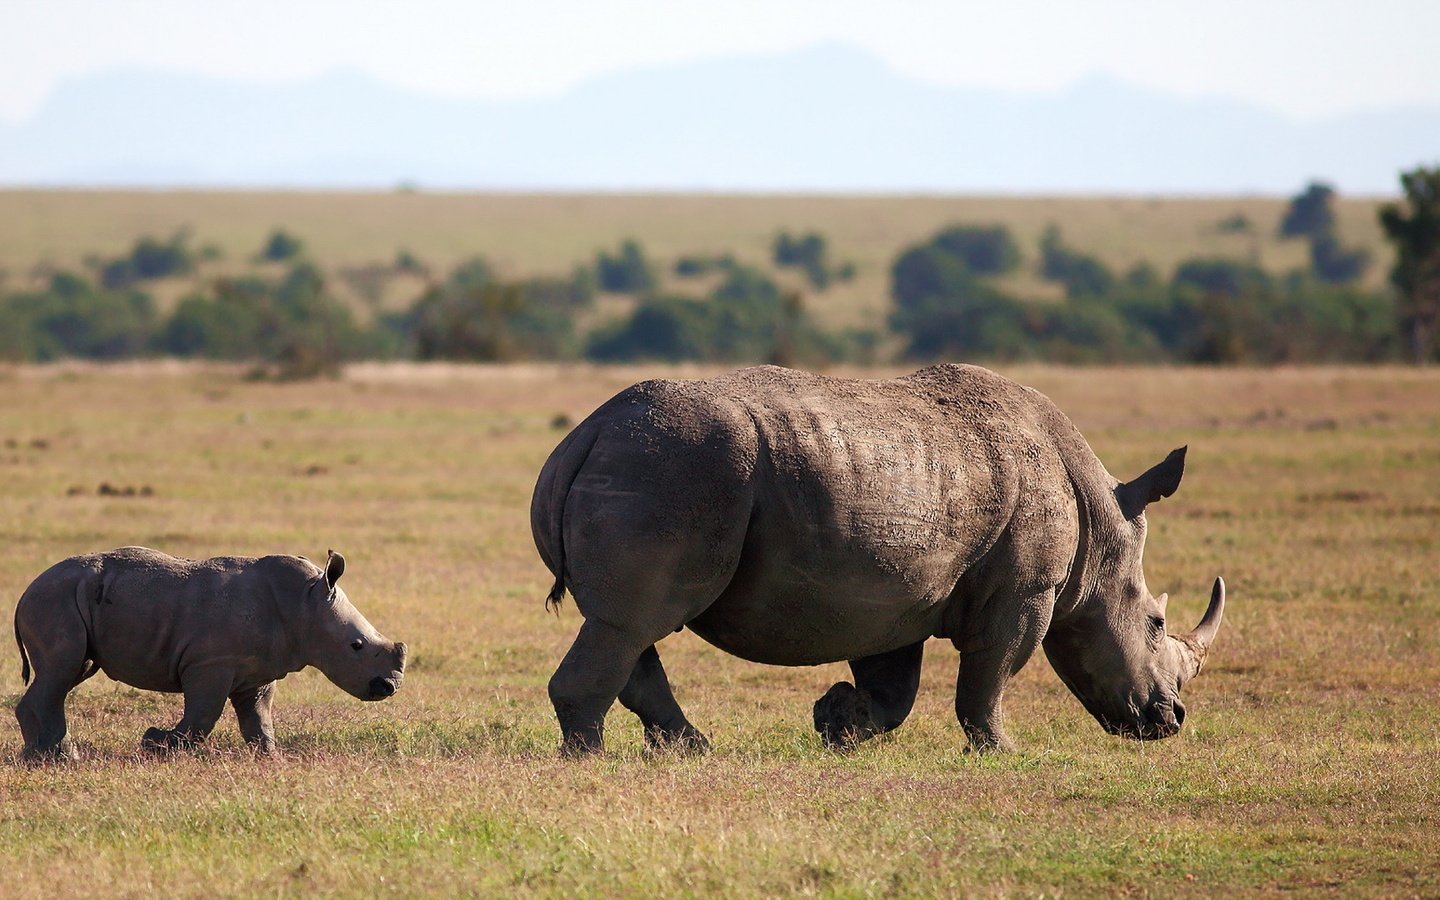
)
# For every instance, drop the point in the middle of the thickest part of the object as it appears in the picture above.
(1159, 481)
(334, 568)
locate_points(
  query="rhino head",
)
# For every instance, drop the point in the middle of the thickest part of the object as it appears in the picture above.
(346, 647)
(1113, 651)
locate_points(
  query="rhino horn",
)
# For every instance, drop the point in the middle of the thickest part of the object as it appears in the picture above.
(1195, 644)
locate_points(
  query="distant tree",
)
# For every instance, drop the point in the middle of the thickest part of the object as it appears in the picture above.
(1413, 226)
(661, 328)
(694, 265)
(410, 264)
(475, 316)
(1227, 277)
(926, 271)
(293, 323)
(281, 246)
(745, 318)
(628, 272)
(1082, 275)
(985, 250)
(1335, 264)
(1309, 213)
(148, 259)
(71, 318)
(808, 252)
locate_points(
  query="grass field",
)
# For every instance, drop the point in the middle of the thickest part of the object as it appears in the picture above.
(549, 233)
(1310, 760)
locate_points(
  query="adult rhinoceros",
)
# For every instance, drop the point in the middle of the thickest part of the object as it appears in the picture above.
(795, 519)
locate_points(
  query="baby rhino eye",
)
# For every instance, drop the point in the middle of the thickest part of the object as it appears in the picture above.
(357, 644)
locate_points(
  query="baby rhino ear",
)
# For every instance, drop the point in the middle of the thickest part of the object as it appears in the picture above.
(334, 568)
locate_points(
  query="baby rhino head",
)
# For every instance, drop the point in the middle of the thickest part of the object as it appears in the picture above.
(345, 646)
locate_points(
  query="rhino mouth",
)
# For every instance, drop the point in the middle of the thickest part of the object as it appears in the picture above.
(383, 687)
(1159, 721)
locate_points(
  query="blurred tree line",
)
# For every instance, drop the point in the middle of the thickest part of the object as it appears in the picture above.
(951, 300)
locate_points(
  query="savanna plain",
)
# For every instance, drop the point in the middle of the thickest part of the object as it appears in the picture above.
(1309, 762)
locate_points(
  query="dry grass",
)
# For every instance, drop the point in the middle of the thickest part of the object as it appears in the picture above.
(1310, 760)
(548, 233)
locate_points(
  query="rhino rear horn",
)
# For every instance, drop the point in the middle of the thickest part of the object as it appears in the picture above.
(334, 568)
(1159, 481)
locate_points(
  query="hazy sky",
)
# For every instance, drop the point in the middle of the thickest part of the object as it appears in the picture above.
(1306, 58)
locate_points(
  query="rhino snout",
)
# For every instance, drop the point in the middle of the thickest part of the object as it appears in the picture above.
(383, 687)
(1163, 719)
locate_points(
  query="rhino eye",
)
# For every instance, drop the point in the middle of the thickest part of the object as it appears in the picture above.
(1157, 626)
(357, 645)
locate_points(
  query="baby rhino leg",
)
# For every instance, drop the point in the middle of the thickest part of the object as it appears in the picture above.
(54, 639)
(205, 693)
(252, 710)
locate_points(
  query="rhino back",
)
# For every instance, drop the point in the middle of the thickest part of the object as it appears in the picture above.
(882, 507)
(850, 513)
(152, 615)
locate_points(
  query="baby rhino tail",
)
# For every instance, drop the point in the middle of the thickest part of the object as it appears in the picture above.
(24, 657)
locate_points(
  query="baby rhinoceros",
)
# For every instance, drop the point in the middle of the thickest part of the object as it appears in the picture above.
(212, 629)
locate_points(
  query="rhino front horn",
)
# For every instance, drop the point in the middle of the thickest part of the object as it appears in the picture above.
(1204, 633)
(1194, 645)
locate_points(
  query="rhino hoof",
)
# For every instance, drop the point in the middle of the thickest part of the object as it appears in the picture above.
(163, 740)
(63, 752)
(687, 741)
(843, 717)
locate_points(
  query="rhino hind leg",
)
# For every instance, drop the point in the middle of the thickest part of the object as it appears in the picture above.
(879, 700)
(41, 713)
(60, 664)
(647, 694)
(596, 669)
(252, 711)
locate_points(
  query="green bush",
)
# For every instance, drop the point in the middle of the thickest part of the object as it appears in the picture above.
(474, 316)
(281, 246)
(72, 318)
(627, 272)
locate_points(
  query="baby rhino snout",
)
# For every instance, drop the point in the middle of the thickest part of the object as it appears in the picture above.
(380, 688)
(385, 686)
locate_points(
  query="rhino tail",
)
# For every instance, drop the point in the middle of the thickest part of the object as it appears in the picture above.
(24, 657)
(563, 468)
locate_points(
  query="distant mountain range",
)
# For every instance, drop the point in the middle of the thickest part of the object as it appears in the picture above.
(828, 118)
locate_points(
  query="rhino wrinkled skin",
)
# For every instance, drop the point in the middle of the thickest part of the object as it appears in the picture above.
(212, 629)
(795, 519)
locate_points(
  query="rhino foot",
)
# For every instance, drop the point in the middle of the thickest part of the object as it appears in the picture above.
(687, 741)
(63, 752)
(163, 740)
(985, 739)
(844, 717)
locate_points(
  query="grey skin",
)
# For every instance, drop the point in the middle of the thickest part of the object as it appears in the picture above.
(794, 519)
(212, 629)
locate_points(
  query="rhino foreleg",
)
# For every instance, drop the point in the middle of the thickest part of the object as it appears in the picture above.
(647, 694)
(878, 701)
(252, 711)
(205, 694)
(987, 662)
